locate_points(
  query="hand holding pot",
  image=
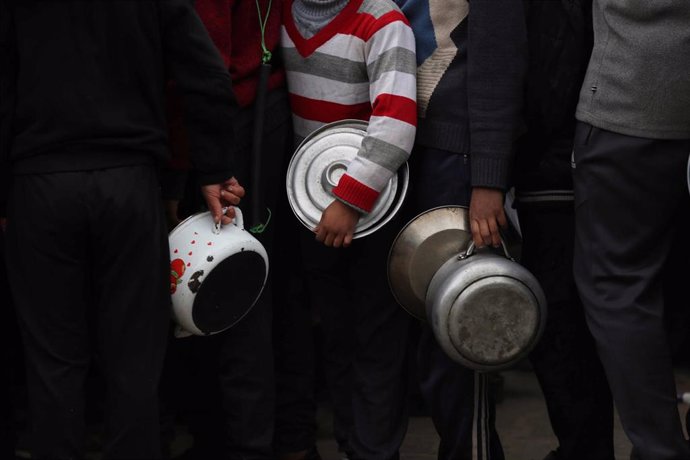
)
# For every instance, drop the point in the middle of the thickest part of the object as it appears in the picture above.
(337, 225)
(225, 195)
(487, 216)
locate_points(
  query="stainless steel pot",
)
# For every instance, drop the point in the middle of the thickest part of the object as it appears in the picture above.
(486, 310)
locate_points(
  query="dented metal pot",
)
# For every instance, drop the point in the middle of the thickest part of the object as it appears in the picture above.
(486, 310)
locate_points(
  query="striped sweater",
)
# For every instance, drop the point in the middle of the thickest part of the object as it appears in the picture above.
(361, 65)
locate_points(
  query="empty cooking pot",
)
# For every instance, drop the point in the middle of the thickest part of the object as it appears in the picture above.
(217, 272)
(486, 310)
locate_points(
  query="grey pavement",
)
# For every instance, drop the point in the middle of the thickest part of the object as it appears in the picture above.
(522, 423)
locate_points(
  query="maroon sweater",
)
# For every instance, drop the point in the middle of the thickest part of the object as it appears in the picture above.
(233, 25)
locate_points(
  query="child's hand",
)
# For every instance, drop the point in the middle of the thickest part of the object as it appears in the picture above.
(337, 225)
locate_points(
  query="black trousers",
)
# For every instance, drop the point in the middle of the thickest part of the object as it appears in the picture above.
(364, 342)
(87, 258)
(293, 339)
(461, 404)
(627, 190)
(231, 398)
(565, 360)
(11, 361)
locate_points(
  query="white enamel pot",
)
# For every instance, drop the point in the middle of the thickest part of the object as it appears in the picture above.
(217, 273)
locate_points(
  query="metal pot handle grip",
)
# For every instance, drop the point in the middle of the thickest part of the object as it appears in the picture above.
(238, 220)
(471, 248)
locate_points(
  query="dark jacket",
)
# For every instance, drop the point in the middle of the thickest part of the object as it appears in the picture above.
(560, 43)
(87, 88)
(471, 67)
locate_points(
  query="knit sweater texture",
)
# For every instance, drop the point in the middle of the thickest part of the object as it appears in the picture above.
(87, 83)
(361, 65)
(638, 79)
(472, 60)
(312, 15)
(234, 27)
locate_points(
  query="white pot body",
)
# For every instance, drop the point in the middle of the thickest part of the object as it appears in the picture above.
(197, 247)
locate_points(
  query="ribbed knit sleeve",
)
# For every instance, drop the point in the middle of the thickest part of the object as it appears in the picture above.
(206, 88)
(361, 65)
(497, 63)
(391, 66)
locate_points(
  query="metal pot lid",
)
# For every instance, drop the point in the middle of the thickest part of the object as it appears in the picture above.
(420, 249)
(318, 164)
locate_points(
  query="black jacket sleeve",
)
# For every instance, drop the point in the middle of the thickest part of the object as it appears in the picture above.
(7, 99)
(497, 63)
(200, 75)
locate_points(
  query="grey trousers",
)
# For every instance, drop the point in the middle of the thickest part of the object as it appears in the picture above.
(627, 190)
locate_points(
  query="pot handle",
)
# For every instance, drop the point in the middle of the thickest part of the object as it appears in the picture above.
(471, 248)
(238, 220)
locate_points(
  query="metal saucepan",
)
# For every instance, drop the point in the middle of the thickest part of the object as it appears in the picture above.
(486, 310)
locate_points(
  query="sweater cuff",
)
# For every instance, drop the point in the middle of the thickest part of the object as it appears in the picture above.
(355, 194)
(491, 172)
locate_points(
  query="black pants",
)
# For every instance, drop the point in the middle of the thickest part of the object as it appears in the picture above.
(565, 359)
(231, 409)
(293, 338)
(627, 190)
(364, 342)
(11, 363)
(87, 257)
(461, 404)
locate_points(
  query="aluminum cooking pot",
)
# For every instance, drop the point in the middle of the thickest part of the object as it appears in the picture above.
(486, 310)
(217, 272)
(318, 164)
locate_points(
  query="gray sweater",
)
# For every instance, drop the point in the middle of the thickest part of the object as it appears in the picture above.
(638, 79)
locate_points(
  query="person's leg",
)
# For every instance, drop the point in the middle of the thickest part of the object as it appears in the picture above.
(627, 189)
(462, 407)
(295, 427)
(129, 246)
(49, 272)
(565, 359)
(247, 383)
(11, 354)
(246, 366)
(329, 293)
(379, 379)
(461, 404)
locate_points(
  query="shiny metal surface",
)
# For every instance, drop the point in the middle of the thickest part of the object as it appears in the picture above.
(487, 311)
(420, 249)
(318, 164)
